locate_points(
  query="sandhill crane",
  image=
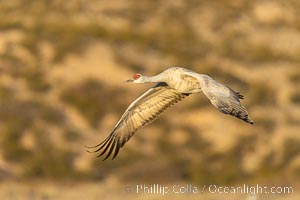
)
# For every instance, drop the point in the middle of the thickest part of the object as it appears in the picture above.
(173, 84)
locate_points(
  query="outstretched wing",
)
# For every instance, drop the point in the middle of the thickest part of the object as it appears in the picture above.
(224, 98)
(144, 110)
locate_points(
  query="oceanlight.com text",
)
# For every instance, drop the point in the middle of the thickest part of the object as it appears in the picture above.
(212, 189)
(246, 189)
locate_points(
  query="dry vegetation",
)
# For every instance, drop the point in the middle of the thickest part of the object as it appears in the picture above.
(61, 87)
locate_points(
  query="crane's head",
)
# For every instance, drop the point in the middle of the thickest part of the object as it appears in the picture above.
(137, 78)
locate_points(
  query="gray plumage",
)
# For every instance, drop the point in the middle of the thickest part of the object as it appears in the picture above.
(173, 85)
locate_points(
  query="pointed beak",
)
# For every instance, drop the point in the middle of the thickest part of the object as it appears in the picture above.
(129, 80)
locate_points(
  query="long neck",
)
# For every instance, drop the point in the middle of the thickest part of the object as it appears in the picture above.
(158, 78)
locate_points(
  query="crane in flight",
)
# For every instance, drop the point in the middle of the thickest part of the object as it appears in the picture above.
(172, 85)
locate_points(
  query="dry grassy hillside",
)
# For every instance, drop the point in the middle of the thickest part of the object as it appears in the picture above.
(62, 71)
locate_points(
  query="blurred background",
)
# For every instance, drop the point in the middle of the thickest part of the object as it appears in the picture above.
(62, 71)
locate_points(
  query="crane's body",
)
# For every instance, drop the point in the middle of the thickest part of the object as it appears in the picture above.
(173, 84)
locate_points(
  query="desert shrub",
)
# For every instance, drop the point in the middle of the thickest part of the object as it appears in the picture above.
(242, 48)
(28, 111)
(291, 150)
(10, 63)
(296, 172)
(12, 150)
(36, 80)
(93, 100)
(268, 167)
(47, 160)
(258, 52)
(54, 164)
(262, 94)
(295, 98)
(6, 93)
(18, 116)
(222, 168)
(295, 76)
(271, 167)
(268, 123)
(292, 119)
(71, 134)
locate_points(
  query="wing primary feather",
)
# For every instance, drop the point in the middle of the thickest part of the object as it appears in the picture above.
(106, 145)
(111, 148)
(117, 149)
(97, 145)
(239, 95)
